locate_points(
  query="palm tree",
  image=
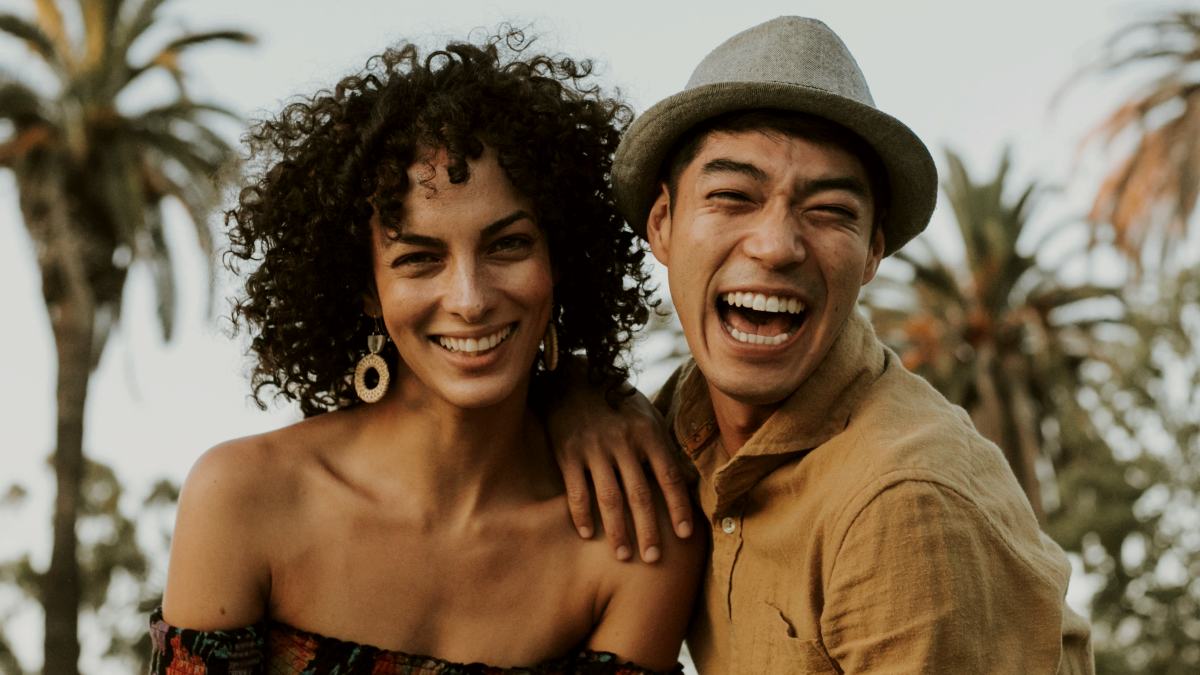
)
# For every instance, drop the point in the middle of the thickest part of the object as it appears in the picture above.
(999, 334)
(92, 179)
(1150, 194)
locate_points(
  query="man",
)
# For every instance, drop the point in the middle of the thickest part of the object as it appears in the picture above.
(859, 522)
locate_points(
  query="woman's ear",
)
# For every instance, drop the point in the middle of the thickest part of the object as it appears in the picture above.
(370, 302)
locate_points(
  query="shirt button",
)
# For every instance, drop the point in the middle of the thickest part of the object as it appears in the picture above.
(728, 525)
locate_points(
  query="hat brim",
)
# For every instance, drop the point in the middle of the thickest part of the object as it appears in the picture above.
(911, 173)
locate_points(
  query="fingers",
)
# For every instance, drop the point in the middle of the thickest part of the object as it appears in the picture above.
(579, 498)
(611, 500)
(675, 491)
(641, 503)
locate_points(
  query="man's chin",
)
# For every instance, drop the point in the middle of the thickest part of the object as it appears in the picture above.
(751, 391)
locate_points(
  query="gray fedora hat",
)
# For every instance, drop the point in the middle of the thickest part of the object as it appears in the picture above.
(789, 63)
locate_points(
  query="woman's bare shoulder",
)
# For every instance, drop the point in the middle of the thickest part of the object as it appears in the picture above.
(649, 604)
(233, 511)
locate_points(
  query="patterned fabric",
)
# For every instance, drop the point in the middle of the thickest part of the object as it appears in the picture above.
(279, 649)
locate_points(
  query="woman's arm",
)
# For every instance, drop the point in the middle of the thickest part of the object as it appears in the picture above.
(219, 576)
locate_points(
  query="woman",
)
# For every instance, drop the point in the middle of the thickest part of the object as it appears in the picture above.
(422, 232)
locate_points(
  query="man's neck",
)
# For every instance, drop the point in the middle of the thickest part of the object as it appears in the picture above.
(737, 421)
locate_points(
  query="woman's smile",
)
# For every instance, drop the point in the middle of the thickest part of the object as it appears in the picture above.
(474, 346)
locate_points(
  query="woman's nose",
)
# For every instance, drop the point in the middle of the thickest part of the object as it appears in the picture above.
(468, 293)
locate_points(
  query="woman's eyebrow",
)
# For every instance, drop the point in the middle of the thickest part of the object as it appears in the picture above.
(504, 222)
(427, 241)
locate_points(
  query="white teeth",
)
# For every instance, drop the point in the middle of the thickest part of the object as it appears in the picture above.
(751, 338)
(764, 303)
(475, 345)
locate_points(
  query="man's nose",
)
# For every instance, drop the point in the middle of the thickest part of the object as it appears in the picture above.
(775, 240)
(468, 293)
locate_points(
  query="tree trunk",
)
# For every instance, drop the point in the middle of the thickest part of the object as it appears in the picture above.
(61, 585)
(71, 307)
(998, 418)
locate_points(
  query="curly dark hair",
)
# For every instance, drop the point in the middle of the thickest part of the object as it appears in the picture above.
(304, 217)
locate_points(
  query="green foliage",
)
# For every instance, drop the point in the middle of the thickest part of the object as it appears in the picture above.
(114, 167)
(1109, 378)
(1146, 399)
(93, 177)
(1000, 334)
(114, 563)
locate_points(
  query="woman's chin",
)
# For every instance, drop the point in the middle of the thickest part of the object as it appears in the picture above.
(476, 394)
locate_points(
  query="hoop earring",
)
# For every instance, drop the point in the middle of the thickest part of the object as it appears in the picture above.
(372, 361)
(550, 347)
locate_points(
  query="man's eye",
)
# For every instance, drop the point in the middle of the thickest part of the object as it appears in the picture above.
(728, 195)
(838, 211)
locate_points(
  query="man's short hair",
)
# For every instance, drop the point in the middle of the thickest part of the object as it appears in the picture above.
(782, 123)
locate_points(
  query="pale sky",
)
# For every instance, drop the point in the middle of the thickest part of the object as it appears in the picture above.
(971, 76)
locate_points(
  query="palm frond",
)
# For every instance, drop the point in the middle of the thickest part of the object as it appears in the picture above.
(33, 36)
(197, 194)
(51, 21)
(96, 28)
(19, 103)
(933, 274)
(1154, 188)
(168, 57)
(128, 31)
(181, 110)
(200, 158)
(157, 254)
(1050, 298)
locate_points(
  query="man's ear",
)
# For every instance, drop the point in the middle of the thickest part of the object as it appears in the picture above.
(874, 256)
(658, 225)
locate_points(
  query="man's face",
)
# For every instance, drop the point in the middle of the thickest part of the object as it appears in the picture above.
(767, 244)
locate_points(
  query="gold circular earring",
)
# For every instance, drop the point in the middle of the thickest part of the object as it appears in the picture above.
(550, 347)
(372, 361)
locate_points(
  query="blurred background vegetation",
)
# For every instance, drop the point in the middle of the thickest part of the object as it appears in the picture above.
(1079, 359)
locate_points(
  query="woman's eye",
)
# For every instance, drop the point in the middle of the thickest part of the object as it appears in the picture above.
(511, 244)
(413, 259)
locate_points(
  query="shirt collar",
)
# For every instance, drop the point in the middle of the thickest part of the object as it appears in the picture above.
(818, 410)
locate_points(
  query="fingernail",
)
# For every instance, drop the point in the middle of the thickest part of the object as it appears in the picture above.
(585, 532)
(623, 553)
(651, 554)
(683, 529)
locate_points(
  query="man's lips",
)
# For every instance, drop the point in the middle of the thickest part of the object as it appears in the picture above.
(754, 318)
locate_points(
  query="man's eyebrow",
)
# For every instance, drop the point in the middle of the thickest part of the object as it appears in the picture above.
(849, 184)
(426, 241)
(723, 165)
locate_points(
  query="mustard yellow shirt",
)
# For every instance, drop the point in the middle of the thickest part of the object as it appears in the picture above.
(867, 527)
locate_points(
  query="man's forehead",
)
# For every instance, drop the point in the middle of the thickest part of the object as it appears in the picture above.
(768, 153)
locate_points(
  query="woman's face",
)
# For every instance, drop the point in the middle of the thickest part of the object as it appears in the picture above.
(467, 288)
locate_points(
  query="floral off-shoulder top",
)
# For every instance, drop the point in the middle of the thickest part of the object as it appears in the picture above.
(272, 648)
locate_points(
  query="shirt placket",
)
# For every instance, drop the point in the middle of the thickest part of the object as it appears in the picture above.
(727, 535)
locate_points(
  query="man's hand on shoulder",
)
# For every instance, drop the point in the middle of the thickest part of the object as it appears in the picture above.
(611, 445)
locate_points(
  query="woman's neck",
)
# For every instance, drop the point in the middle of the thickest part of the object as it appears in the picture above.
(449, 463)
